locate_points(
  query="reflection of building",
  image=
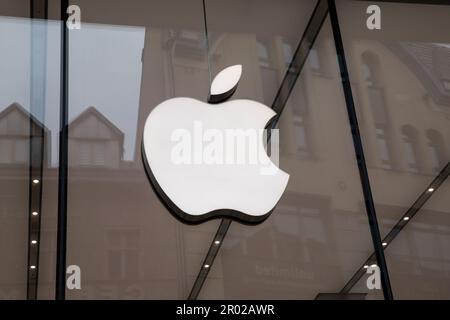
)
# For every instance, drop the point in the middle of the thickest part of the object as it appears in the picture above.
(16, 128)
(128, 246)
(94, 141)
(15, 135)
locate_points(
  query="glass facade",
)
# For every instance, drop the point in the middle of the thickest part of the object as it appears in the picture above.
(129, 56)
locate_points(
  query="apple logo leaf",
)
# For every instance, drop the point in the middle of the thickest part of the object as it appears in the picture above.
(225, 84)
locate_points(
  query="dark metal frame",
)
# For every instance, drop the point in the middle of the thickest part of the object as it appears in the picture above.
(359, 152)
(60, 286)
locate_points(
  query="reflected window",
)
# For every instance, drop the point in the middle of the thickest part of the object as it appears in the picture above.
(314, 60)
(314, 57)
(318, 59)
(299, 224)
(263, 54)
(123, 254)
(375, 94)
(376, 100)
(91, 153)
(300, 120)
(372, 77)
(269, 76)
(300, 137)
(436, 149)
(410, 143)
(188, 45)
(383, 147)
(446, 84)
(287, 53)
(13, 150)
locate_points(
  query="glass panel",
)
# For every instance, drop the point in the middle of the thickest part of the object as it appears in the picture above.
(124, 61)
(29, 120)
(129, 56)
(410, 65)
(318, 235)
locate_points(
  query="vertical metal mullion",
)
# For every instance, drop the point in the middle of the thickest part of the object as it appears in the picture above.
(359, 152)
(60, 290)
(292, 73)
(38, 55)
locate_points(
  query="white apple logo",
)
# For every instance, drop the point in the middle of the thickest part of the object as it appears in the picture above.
(201, 189)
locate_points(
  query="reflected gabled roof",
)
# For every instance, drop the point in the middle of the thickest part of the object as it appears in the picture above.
(92, 111)
(18, 107)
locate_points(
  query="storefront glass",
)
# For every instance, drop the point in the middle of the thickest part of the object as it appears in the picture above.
(129, 56)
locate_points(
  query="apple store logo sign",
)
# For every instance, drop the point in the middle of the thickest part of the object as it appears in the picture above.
(209, 160)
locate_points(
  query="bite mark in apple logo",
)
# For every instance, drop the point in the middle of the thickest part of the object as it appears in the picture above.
(195, 189)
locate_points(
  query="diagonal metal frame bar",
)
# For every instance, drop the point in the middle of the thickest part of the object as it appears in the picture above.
(209, 259)
(401, 223)
(359, 153)
(295, 67)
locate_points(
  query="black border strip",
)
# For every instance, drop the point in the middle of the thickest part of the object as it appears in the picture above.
(292, 73)
(438, 2)
(359, 153)
(60, 285)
